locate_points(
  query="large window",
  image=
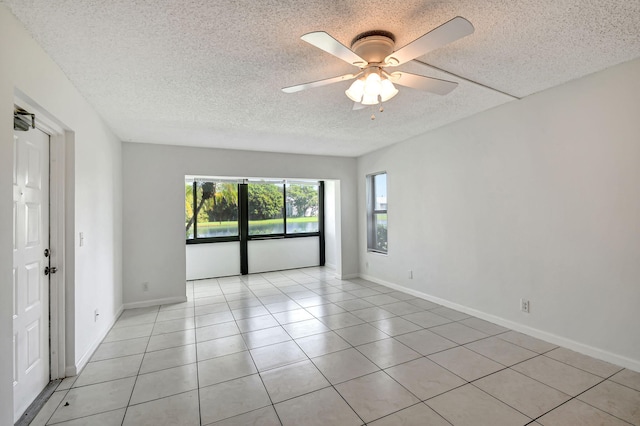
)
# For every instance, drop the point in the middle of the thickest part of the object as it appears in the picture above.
(274, 208)
(377, 212)
(211, 208)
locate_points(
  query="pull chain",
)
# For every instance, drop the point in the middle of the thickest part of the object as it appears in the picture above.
(381, 109)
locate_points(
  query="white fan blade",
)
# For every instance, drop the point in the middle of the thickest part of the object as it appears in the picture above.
(446, 33)
(311, 85)
(324, 41)
(358, 106)
(420, 82)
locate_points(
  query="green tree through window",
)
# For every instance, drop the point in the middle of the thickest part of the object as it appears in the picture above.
(215, 208)
(266, 208)
(302, 208)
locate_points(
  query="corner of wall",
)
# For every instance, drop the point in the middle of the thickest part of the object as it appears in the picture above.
(76, 367)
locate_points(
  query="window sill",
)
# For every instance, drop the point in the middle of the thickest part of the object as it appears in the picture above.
(213, 240)
(250, 238)
(383, 253)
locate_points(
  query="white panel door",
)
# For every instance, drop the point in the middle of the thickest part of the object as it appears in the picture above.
(30, 284)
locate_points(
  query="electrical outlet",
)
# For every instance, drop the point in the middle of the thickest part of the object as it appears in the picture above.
(96, 314)
(145, 286)
(410, 274)
(524, 305)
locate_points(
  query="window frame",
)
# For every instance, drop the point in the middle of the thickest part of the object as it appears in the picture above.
(372, 212)
(206, 240)
(257, 237)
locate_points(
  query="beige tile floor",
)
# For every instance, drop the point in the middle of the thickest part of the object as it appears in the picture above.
(302, 348)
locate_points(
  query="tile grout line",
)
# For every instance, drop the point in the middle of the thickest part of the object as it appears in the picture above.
(426, 356)
(195, 339)
(538, 354)
(368, 322)
(352, 346)
(585, 402)
(57, 406)
(254, 364)
(383, 370)
(333, 386)
(139, 368)
(578, 368)
(90, 384)
(321, 373)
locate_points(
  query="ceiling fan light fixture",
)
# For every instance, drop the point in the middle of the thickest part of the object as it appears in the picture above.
(387, 90)
(372, 89)
(373, 51)
(356, 90)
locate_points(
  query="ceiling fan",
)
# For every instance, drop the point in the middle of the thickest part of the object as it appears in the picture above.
(373, 51)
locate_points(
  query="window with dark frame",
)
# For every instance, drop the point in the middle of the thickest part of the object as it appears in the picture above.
(377, 212)
(211, 210)
(274, 209)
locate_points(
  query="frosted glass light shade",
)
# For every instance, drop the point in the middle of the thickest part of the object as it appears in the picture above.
(371, 90)
(387, 90)
(369, 99)
(372, 85)
(355, 91)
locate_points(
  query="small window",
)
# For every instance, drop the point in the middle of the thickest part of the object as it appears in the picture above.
(302, 208)
(377, 212)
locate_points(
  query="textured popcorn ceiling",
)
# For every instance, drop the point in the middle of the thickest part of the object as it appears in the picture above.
(209, 73)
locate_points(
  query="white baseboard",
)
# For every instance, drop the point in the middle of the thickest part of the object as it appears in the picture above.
(73, 370)
(347, 276)
(582, 348)
(155, 302)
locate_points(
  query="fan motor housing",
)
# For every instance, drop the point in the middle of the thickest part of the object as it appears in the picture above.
(373, 48)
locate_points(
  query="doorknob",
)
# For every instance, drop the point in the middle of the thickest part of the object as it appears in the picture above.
(51, 270)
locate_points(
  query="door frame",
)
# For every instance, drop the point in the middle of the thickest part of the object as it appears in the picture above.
(58, 141)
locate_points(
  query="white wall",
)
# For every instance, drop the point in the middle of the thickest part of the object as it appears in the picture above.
(539, 199)
(212, 260)
(223, 259)
(279, 254)
(94, 173)
(154, 240)
(331, 200)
